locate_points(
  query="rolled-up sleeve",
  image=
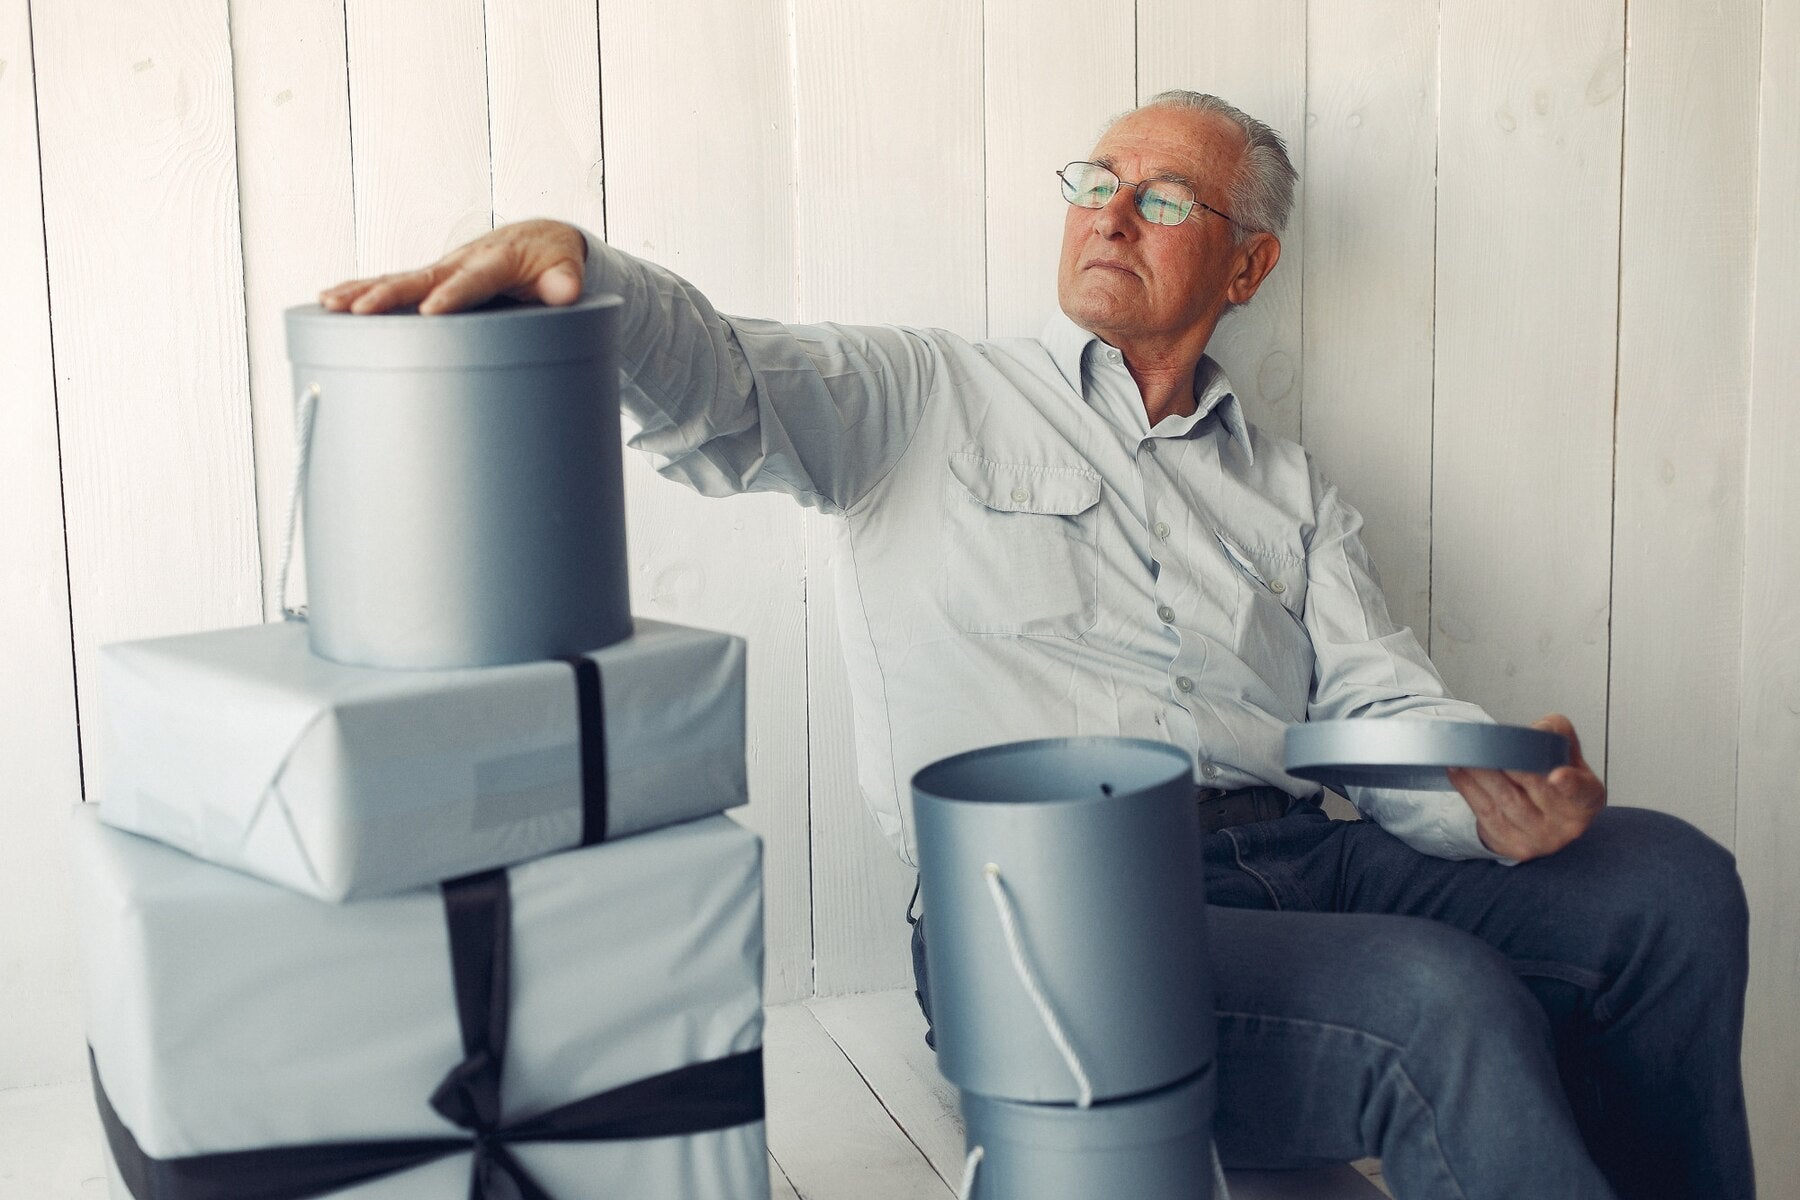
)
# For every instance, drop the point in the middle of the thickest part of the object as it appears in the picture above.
(731, 404)
(1367, 667)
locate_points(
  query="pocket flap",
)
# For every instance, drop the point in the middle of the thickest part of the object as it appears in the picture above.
(1027, 487)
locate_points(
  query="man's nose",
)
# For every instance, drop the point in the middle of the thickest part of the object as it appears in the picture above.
(1118, 216)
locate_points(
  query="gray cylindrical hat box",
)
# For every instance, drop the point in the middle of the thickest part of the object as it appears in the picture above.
(463, 499)
(1098, 844)
(1152, 1147)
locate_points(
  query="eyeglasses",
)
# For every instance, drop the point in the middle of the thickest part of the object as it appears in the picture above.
(1158, 201)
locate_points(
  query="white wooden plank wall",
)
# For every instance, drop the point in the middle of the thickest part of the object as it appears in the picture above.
(889, 229)
(1524, 317)
(1370, 210)
(1684, 373)
(682, 125)
(40, 1038)
(1768, 834)
(1528, 160)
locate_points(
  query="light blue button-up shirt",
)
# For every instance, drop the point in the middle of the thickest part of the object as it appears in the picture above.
(1024, 556)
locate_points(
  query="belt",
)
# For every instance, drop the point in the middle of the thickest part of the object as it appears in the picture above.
(1221, 809)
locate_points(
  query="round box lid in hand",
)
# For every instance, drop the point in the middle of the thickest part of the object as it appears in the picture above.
(1412, 754)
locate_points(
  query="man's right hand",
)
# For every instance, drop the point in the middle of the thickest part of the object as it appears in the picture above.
(531, 260)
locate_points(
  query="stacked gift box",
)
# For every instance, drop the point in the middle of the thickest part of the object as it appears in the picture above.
(376, 930)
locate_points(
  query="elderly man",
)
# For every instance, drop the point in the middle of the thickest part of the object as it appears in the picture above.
(1515, 992)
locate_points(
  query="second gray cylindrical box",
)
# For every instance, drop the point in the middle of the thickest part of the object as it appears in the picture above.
(1156, 1146)
(1098, 844)
(463, 499)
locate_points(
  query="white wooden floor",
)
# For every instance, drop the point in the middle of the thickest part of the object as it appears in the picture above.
(859, 1111)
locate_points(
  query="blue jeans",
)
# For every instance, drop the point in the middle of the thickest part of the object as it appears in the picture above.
(1569, 1027)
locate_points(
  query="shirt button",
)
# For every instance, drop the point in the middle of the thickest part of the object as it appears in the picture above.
(1150, 445)
(1162, 530)
(1112, 356)
(1278, 587)
(1210, 770)
(1183, 684)
(1020, 495)
(1165, 612)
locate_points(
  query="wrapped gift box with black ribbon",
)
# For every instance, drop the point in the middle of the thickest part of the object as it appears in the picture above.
(586, 1023)
(243, 747)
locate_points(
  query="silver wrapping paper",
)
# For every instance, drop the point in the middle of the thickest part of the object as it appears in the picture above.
(225, 1013)
(1098, 843)
(244, 748)
(1151, 1147)
(463, 495)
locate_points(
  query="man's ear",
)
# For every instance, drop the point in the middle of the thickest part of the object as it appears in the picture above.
(1257, 257)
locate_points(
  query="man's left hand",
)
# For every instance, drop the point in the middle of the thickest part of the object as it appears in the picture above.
(1522, 815)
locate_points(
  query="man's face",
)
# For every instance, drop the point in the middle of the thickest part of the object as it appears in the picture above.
(1124, 278)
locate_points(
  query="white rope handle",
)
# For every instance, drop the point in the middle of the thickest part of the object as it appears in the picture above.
(1009, 927)
(1220, 1191)
(305, 407)
(966, 1188)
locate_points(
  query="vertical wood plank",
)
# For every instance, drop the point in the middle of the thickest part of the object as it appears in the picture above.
(297, 217)
(697, 102)
(419, 128)
(890, 171)
(890, 229)
(1370, 207)
(1684, 372)
(1253, 54)
(1048, 87)
(1768, 831)
(146, 284)
(40, 1037)
(544, 110)
(1528, 206)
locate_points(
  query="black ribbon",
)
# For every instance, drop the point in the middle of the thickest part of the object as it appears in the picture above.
(591, 715)
(718, 1094)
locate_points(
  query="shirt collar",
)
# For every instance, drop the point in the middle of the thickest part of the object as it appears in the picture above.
(1068, 345)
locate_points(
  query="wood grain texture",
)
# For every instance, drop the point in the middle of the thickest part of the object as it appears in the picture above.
(40, 1037)
(1368, 276)
(735, 564)
(419, 128)
(1527, 237)
(831, 1137)
(883, 1033)
(890, 230)
(889, 134)
(1253, 54)
(146, 288)
(1048, 87)
(1768, 830)
(298, 221)
(543, 61)
(779, 1187)
(860, 887)
(51, 1146)
(1684, 375)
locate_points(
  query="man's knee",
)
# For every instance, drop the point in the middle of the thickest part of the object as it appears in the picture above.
(1658, 868)
(1452, 986)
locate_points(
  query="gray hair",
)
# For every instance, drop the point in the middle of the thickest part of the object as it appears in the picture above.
(1262, 195)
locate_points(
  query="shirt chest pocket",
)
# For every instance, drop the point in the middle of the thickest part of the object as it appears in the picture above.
(1021, 552)
(1275, 578)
